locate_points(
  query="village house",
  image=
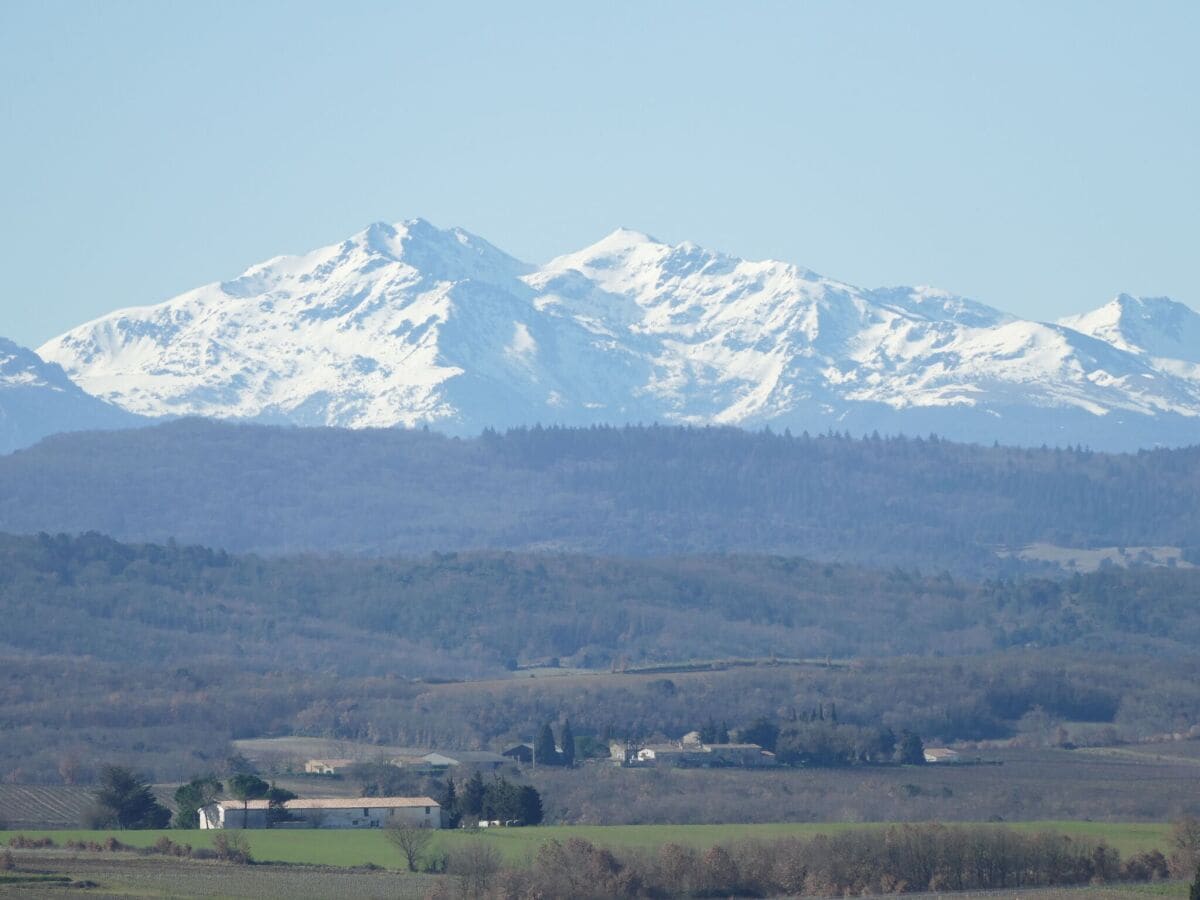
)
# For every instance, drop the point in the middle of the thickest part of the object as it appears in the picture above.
(325, 812)
(940, 755)
(327, 766)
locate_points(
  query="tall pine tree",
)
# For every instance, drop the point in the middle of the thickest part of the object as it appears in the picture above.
(451, 813)
(568, 745)
(544, 751)
(473, 791)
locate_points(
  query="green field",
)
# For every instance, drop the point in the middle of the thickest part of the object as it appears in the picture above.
(356, 848)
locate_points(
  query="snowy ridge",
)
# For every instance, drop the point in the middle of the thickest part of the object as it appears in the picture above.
(408, 324)
(1165, 332)
(37, 399)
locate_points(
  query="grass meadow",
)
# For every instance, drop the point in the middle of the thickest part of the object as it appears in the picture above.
(358, 848)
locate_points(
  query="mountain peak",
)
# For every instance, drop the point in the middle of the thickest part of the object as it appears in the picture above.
(1158, 327)
(625, 235)
(20, 365)
(440, 254)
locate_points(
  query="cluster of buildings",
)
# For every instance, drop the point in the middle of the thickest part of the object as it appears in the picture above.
(350, 812)
(426, 763)
(691, 752)
(380, 812)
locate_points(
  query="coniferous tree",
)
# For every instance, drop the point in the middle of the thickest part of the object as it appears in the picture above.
(124, 800)
(451, 813)
(544, 751)
(500, 800)
(190, 798)
(246, 787)
(911, 750)
(763, 732)
(472, 796)
(568, 745)
(277, 799)
(530, 805)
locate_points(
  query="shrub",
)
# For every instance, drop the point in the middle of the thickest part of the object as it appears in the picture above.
(1149, 865)
(20, 842)
(167, 847)
(475, 864)
(1185, 847)
(232, 847)
(7, 863)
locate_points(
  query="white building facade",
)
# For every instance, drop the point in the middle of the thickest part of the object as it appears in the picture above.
(324, 812)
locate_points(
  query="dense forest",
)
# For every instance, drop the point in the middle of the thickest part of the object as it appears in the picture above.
(630, 491)
(167, 652)
(451, 615)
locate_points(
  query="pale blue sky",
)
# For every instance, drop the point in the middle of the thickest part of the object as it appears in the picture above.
(1039, 157)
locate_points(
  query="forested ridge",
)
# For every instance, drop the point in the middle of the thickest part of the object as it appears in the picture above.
(629, 491)
(483, 612)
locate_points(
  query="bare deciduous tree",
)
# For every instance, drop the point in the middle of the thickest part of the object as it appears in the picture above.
(475, 864)
(411, 840)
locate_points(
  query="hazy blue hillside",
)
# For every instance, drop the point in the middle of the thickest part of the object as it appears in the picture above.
(38, 399)
(607, 491)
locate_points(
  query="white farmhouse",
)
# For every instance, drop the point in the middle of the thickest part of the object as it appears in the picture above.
(326, 812)
(327, 766)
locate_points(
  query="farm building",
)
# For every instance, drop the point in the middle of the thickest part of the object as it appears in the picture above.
(327, 766)
(522, 753)
(482, 759)
(325, 812)
(940, 755)
(697, 755)
(744, 755)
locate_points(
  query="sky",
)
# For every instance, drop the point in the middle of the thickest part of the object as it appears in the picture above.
(1038, 157)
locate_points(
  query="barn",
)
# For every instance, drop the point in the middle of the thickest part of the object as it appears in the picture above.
(324, 812)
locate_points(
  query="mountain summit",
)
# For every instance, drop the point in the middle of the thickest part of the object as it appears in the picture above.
(1159, 328)
(408, 324)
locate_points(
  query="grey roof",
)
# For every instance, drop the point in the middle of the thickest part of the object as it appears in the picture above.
(469, 756)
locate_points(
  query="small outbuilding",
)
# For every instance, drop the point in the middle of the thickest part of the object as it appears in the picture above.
(520, 753)
(940, 755)
(327, 766)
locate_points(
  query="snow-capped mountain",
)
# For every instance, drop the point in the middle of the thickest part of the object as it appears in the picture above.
(37, 399)
(407, 324)
(1157, 328)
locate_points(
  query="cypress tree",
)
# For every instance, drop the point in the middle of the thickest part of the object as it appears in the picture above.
(530, 804)
(544, 752)
(451, 813)
(472, 796)
(568, 745)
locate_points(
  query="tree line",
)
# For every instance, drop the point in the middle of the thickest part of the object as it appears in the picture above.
(141, 603)
(858, 862)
